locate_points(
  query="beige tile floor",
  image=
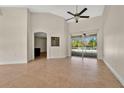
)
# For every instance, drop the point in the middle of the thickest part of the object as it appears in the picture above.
(67, 72)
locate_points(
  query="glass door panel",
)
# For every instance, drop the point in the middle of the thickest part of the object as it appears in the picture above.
(76, 45)
(90, 46)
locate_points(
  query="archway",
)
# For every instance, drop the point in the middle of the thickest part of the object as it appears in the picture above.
(40, 45)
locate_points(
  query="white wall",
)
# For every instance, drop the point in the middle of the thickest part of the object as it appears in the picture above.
(41, 43)
(66, 38)
(86, 24)
(89, 26)
(13, 35)
(114, 40)
(54, 26)
(29, 37)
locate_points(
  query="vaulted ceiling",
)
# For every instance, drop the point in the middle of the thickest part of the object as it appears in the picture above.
(61, 10)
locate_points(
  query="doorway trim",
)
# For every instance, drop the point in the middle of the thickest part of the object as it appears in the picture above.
(33, 42)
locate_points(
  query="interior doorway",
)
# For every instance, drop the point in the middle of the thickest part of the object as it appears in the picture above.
(40, 45)
(84, 45)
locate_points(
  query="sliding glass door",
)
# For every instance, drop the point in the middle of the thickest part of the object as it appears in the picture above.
(84, 45)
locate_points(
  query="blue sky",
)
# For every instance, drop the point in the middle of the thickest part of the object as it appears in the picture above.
(89, 38)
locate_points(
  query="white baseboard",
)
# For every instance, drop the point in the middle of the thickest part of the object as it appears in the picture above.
(114, 72)
(12, 62)
(56, 57)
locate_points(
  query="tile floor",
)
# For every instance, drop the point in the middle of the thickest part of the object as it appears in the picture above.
(58, 73)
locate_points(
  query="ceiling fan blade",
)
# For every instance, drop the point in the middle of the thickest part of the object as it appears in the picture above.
(71, 13)
(82, 11)
(69, 19)
(84, 16)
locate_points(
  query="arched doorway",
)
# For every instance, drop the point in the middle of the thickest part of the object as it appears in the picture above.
(40, 45)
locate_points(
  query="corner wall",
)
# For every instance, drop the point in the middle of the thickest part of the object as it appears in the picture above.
(29, 37)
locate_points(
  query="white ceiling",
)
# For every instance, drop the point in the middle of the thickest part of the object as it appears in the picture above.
(61, 10)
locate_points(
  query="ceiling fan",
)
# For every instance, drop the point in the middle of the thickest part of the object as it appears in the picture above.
(77, 15)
